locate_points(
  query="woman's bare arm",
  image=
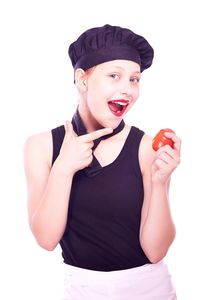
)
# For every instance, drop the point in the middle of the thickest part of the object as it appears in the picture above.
(49, 187)
(48, 191)
(157, 229)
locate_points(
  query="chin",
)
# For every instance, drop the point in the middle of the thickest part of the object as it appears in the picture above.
(112, 123)
(106, 121)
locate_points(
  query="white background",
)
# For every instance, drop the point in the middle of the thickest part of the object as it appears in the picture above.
(37, 94)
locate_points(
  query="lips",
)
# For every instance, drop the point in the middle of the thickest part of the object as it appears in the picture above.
(118, 107)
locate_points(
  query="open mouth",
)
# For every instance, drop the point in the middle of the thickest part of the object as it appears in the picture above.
(118, 107)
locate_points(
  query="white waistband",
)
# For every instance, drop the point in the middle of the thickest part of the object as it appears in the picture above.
(86, 276)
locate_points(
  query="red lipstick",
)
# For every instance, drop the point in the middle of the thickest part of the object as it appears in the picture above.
(118, 107)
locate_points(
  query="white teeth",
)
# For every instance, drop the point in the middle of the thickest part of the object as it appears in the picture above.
(121, 103)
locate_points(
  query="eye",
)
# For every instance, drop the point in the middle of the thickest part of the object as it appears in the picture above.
(115, 76)
(135, 80)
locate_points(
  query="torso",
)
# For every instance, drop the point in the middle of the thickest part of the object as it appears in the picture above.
(117, 207)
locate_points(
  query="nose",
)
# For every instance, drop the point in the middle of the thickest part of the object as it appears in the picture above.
(126, 88)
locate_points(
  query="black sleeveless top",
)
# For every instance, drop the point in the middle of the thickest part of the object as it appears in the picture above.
(104, 212)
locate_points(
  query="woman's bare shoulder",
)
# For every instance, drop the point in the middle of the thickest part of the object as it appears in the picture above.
(43, 139)
(146, 141)
(146, 152)
(39, 146)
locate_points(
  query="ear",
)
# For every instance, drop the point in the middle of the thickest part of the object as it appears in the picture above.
(80, 80)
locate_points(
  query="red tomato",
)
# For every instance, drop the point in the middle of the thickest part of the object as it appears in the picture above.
(160, 139)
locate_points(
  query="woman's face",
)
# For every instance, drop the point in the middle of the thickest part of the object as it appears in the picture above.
(112, 89)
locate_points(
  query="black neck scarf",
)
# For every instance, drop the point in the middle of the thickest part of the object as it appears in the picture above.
(94, 168)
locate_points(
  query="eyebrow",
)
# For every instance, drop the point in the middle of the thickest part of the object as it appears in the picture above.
(121, 68)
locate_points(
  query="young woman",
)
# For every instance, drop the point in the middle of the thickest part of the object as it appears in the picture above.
(96, 186)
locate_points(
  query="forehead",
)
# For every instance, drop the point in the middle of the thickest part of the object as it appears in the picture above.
(121, 64)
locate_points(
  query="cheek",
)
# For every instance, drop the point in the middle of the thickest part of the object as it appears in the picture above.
(136, 93)
(98, 94)
(104, 89)
(94, 101)
(135, 97)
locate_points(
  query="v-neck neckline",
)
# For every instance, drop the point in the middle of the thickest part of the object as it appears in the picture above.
(95, 167)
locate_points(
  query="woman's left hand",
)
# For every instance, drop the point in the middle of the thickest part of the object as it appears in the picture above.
(166, 159)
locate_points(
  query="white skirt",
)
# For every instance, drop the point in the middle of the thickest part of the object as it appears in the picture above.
(148, 282)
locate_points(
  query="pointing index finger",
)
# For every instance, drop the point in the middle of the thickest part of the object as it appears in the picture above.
(95, 134)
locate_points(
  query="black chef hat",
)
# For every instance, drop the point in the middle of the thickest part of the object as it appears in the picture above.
(100, 44)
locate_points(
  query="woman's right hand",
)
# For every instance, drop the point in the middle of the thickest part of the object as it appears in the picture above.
(76, 151)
